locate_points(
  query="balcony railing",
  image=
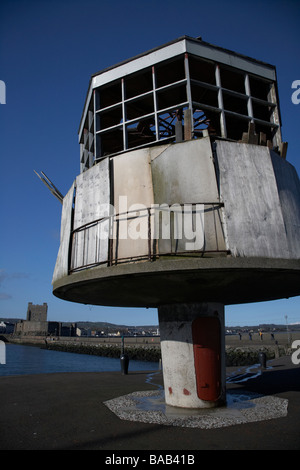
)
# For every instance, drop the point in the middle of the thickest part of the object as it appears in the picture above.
(147, 234)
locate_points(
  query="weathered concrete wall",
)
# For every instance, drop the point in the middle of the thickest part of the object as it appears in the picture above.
(176, 336)
(289, 195)
(32, 327)
(132, 183)
(182, 174)
(259, 224)
(254, 210)
(92, 203)
(62, 262)
(92, 194)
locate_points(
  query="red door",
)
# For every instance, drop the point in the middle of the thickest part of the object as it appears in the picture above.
(207, 356)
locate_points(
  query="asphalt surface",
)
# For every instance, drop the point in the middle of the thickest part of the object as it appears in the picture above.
(66, 411)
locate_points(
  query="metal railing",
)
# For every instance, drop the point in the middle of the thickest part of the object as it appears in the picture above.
(138, 235)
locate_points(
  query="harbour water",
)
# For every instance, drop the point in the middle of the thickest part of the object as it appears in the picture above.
(22, 359)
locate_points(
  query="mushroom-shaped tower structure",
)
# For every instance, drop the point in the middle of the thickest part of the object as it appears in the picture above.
(185, 202)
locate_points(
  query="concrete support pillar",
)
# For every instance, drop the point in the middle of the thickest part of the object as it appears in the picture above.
(193, 354)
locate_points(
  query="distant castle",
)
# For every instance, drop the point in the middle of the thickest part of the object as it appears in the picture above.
(37, 312)
(36, 323)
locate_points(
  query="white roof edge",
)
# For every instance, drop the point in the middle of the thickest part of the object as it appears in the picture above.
(139, 63)
(182, 45)
(131, 66)
(231, 59)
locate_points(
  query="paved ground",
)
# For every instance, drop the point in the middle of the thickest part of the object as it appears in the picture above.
(66, 412)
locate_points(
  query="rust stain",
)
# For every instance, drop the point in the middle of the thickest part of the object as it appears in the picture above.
(170, 390)
(186, 392)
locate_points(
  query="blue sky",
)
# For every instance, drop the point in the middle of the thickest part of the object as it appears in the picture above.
(48, 51)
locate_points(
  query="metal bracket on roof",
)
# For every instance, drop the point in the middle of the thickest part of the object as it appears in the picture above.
(50, 186)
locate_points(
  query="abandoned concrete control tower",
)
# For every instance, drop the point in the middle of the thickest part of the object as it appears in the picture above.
(185, 202)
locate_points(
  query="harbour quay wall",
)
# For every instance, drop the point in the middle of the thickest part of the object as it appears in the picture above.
(147, 348)
(139, 348)
(142, 348)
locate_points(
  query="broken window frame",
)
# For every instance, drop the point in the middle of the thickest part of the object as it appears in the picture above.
(215, 115)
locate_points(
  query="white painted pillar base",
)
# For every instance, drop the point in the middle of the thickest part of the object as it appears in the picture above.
(184, 376)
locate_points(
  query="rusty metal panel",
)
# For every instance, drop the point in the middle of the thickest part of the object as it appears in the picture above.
(206, 333)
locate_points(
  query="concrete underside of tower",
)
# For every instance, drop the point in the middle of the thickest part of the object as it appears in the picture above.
(151, 284)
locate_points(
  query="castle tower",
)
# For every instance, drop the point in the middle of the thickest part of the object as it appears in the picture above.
(184, 202)
(37, 312)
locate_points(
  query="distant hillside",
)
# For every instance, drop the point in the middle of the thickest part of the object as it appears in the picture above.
(106, 325)
(112, 326)
(91, 325)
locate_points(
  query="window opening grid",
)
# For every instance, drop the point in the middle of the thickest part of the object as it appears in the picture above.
(221, 100)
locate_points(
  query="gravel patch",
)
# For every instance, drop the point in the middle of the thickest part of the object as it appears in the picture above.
(245, 407)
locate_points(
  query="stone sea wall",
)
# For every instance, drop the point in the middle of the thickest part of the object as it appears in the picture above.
(139, 353)
(234, 356)
(237, 354)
